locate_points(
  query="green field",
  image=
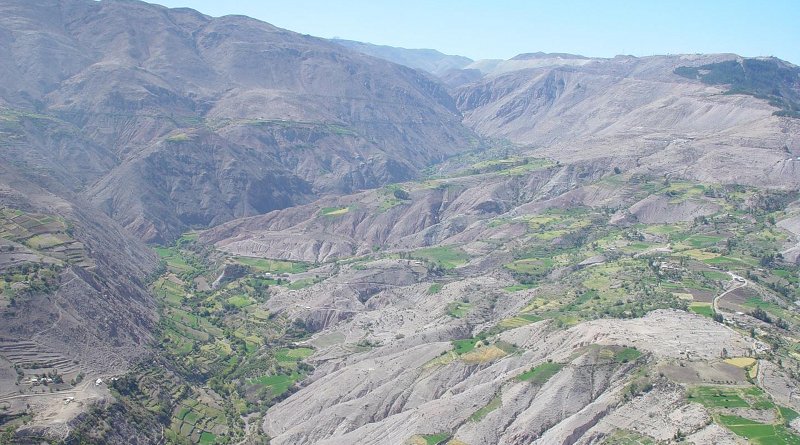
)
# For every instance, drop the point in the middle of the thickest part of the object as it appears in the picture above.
(788, 414)
(435, 288)
(278, 384)
(272, 266)
(702, 309)
(175, 261)
(435, 439)
(458, 309)
(539, 375)
(240, 301)
(447, 257)
(334, 211)
(207, 438)
(519, 287)
(518, 321)
(759, 433)
(718, 397)
(302, 284)
(493, 404)
(717, 276)
(701, 241)
(531, 266)
(293, 355)
(626, 355)
(464, 346)
(621, 437)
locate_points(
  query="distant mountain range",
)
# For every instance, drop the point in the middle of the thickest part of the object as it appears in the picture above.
(428, 60)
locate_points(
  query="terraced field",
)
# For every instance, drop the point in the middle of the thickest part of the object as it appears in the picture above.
(48, 236)
(221, 334)
(722, 400)
(563, 269)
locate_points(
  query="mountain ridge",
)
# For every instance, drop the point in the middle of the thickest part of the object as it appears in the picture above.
(141, 101)
(214, 230)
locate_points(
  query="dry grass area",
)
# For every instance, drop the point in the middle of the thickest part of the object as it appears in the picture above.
(741, 362)
(483, 354)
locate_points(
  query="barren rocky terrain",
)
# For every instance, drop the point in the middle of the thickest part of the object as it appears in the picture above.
(213, 230)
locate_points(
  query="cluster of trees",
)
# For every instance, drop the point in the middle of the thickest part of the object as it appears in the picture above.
(762, 315)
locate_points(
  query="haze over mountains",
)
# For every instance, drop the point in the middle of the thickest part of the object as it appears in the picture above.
(261, 235)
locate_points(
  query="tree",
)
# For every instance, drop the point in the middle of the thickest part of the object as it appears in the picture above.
(401, 194)
(761, 314)
(767, 260)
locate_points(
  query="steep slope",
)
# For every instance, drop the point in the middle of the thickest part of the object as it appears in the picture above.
(642, 115)
(209, 118)
(428, 60)
(73, 302)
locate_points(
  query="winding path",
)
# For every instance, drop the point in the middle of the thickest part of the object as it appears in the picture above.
(736, 279)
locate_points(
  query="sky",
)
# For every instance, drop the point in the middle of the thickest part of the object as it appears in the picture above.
(501, 29)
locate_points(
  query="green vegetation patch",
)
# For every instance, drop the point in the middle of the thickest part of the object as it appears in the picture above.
(293, 354)
(458, 309)
(435, 439)
(334, 211)
(240, 301)
(768, 79)
(207, 438)
(273, 266)
(717, 276)
(302, 284)
(448, 257)
(625, 437)
(539, 375)
(435, 288)
(702, 309)
(702, 241)
(536, 267)
(508, 166)
(728, 262)
(626, 355)
(788, 414)
(181, 137)
(718, 397)
(518, 321)
(278, 384)
(176, 263)
(759, 433)
(493, 404)
(519, 287)
(465, 345)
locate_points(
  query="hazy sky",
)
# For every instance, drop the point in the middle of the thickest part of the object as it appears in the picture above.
(504, 28)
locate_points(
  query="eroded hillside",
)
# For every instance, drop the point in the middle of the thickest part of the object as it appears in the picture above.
(557, 250)
(494, 307)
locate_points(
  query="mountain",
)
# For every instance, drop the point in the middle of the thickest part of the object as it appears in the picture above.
(551, 249)
(554, 272)
(74, 301)
(768, 78)
(638, 114)
(250, 114)
(497, 291)
(429, 60)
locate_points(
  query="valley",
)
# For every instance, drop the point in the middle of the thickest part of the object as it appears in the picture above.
(217, 231)
(509, 303)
